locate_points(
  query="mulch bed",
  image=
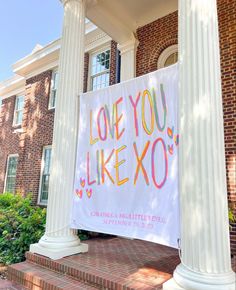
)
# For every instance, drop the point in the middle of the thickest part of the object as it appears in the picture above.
(3, 272)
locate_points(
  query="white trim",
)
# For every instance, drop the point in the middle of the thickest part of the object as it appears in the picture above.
(96, 39)
(8, 157)
(165, 54)
(15, 92)
(37, 59)
(127, 46)
(13, 86)
(45, 59)
(49, 66)
(95, 51)
(39, 202)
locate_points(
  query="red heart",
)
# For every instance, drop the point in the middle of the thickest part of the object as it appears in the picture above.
(79, 193)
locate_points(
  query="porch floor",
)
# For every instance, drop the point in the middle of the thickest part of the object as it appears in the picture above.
(111, 263)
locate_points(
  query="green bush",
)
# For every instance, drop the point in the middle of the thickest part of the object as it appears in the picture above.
(21, 224)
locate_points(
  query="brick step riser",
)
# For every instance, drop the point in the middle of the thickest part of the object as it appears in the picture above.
(26, 281)
(73, 273)
(36, 283)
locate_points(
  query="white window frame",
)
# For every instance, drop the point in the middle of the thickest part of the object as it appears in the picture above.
(91, 54)
(165, 54)
(41, 174)
(55, 71)
(8, 157)
(16, 111)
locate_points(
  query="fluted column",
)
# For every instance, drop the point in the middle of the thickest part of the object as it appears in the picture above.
(59, 239)
(205, 261)
(128, 59)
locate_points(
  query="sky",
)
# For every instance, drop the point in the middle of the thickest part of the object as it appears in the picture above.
(23, 24)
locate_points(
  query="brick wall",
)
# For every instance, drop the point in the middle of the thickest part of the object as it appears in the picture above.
(38, 124)
(37, 128)
(227, 33)
(158, 35)
(37, 131)
(10, 142)
(153, 39)
(86, 71)
(113, 63)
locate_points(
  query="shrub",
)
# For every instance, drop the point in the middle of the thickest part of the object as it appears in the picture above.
(21, 224)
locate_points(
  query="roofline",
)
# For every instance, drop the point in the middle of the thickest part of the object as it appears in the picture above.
(46, 58)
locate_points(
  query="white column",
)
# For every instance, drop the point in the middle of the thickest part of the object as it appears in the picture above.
(59, 240)
(205, 262)
(128, 59)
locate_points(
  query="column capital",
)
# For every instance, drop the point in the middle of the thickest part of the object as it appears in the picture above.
(129, 45)
(128, 58)
(90, 2)
(64, 2)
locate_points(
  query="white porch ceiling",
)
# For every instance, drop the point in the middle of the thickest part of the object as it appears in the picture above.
(120, 18)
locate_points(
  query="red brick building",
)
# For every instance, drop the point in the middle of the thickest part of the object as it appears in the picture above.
(28, 99)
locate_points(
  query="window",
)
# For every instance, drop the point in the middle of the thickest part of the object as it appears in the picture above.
(168, 57)
(18, 113)
(10, 179)
(45, 174)
(53, 90)
(171, 59)
(100, 70)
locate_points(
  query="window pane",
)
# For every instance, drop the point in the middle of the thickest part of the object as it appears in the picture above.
(10, 186)
(45, 174)
(19, 117)
(18, 113)
(53, 98)
(47, 160)
(44, 191)
(11, 174)
(53, 90)
(173, 58)
(55, 83)
(100, 62)
(12, 164)
(20, 103)
(100, 81)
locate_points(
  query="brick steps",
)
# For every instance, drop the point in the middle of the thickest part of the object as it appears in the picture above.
(89, 273)
(116, 264)
(51, 276)
(8, 285)
(36, 277)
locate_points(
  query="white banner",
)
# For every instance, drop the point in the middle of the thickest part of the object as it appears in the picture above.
(126, 180)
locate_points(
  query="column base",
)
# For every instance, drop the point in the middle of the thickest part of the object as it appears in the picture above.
(58, 253)
(185, 279)
(171, 285)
